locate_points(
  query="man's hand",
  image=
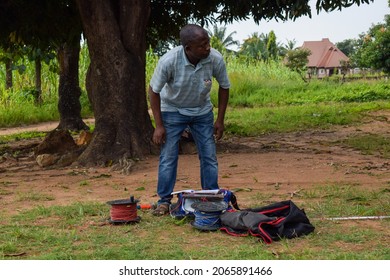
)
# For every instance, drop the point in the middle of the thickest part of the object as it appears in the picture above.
(159, 135)
(219, 126)
(218, 130)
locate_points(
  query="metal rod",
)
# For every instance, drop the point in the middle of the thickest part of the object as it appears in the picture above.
(357, 218)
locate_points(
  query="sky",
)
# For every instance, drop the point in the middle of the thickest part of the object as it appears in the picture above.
(337, 25)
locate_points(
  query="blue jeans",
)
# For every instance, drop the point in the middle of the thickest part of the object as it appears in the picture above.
(202, 129)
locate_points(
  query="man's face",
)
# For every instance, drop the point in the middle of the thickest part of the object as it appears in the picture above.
(199, 49)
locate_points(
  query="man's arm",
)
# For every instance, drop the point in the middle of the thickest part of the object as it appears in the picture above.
(219, 126)
(159, 131)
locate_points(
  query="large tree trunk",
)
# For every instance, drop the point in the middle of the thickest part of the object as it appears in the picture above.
(115, 32)
(69, 90)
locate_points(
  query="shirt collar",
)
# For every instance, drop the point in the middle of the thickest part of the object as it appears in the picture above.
(187, 62)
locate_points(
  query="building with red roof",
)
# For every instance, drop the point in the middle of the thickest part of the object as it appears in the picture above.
(325, 58)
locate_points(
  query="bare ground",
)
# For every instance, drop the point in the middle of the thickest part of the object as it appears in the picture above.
(276, 165)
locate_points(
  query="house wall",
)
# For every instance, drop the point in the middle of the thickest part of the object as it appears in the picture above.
(324, 72)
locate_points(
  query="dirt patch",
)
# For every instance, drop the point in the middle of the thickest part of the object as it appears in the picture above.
(275, 165)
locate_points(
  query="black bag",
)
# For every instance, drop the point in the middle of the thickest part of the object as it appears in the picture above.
(271, 223)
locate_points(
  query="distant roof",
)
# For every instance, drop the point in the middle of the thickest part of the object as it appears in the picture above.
(324, 54)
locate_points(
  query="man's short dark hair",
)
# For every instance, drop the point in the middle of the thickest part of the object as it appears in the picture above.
(190, 33)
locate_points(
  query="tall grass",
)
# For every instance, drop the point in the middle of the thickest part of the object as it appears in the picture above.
(264, 96)
(259, 84)
(17, 105)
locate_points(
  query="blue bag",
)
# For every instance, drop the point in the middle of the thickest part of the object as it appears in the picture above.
(185, 199)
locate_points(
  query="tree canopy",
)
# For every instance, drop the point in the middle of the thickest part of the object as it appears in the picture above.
(44, 22)
(167, 17)
(39, 23)
(220, 40)
(374, 49)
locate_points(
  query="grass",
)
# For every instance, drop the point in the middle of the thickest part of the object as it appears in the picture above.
(80, 231)
(19, 136)
(370, 144)
(257, 121)
(33, 196)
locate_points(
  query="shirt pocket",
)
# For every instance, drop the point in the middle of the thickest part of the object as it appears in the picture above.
(206, 85)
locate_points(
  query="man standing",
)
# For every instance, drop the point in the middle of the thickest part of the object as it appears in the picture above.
(180, 97)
